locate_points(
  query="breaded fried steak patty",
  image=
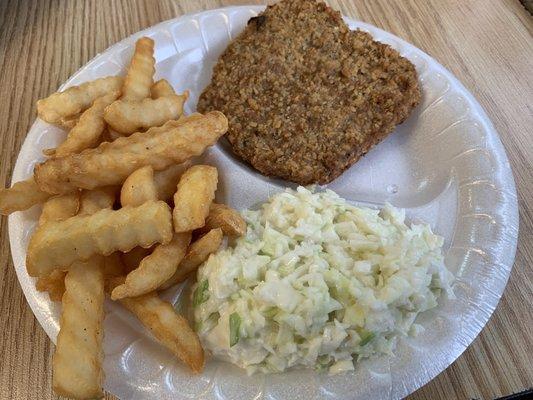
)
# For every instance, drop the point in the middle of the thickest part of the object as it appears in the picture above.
(305, 96)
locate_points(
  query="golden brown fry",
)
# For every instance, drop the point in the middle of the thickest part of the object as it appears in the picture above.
(56, 209)
(75, 99)
(147, 273)
(57, 245)
(161, 89)
(154, 269)
(196, 191)
(61, 207)
(127, 117)
(133, 258)
(77, 363)
(197, 253)
(21, 196)
(88, 131)
(226, 218)
(139, 77)
(54, 284)
(93, 201)
(111, 163)
(139, 187)
(166, 181)
(67, 123)
(168, 327)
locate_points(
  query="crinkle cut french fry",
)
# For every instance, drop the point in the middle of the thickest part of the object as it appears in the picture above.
(111, 163)
(88, 131)
(139, 187)
(57, 245)
(93, 201)
(127, 117)
(196, 191)
(161, 89)
(75, 99)
(21, 196)
(54, 284)
(77, 362)
(168, 327)
(149, 272)
(60, 207)
(155, 269)
(197, 253)
(167, 180)
(56, 209)
(139, 77)
(226, 218)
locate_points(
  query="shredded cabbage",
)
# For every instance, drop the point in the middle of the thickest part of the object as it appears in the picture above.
(317, 282)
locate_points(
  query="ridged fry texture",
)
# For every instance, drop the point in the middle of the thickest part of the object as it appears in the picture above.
(197, 253)
(77, 363)
(155, 269)
(127, 117)
(75, 99)
(88, 130)
(59, 244)
(111, 163)
(21, 196)
(168, 327)
(139, 77)
(196, 191)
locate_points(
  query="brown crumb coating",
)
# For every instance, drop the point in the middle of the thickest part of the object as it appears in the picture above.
(305, 96)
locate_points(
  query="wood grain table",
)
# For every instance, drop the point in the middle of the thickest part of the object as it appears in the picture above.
(488, 45)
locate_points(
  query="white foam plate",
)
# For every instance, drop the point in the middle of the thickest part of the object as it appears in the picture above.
(445, 165)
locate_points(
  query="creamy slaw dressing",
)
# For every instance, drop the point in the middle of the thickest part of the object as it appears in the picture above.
(317, 282)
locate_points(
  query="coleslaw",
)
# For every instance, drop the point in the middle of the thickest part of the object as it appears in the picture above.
(317, 282)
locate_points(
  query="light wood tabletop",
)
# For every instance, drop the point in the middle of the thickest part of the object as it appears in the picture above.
(487, 45)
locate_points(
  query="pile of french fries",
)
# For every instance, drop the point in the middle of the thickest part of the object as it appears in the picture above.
(123, 212)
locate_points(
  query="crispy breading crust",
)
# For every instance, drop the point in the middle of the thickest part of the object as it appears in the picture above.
(305, 96)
